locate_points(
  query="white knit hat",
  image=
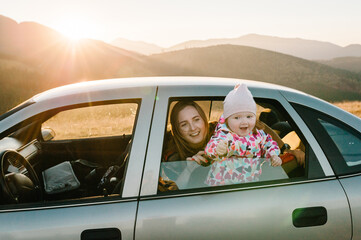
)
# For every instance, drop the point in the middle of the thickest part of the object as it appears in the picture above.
(239, 99)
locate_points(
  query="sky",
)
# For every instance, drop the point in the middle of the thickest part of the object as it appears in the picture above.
(169, 22)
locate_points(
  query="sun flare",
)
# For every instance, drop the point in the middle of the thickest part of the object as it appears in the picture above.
(75, 30)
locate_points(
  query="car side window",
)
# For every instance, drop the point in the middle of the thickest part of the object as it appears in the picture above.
(78, 152)
(93, 121)
(340, 143)
(91, 146)
(347, 142)
(179, 172)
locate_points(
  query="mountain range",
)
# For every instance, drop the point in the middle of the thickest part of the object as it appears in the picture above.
(34, 58)
(302, 48)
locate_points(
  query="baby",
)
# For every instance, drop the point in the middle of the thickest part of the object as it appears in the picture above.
(236, 145)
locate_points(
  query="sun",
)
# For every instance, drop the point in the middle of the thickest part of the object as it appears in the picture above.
(75, 30)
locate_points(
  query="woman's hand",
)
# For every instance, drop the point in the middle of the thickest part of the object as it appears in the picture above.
(198, 158)
(276, 161)
(299, 154)
(221, 148)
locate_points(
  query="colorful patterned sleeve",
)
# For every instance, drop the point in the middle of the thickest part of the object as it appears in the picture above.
(210, 149)
(268, 145)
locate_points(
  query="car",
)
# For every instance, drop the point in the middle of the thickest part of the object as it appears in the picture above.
(86, 161)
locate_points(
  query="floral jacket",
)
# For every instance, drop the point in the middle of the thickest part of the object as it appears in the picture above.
(242, 162)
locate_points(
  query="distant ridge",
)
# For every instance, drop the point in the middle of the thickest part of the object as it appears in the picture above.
(256, 64)
(307, 49)
(137, 46)
(302, 48)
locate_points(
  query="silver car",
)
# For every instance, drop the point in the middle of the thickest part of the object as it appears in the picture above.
(86, 161)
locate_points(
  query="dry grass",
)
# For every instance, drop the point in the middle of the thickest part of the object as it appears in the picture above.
(353, 107)
(95, 121)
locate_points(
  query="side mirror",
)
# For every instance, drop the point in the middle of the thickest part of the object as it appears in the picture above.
(47, 134)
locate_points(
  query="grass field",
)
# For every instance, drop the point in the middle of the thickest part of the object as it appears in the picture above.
(94, 121)
(353, 107)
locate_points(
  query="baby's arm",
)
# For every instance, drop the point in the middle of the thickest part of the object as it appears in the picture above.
(217, 146)
(271, 149)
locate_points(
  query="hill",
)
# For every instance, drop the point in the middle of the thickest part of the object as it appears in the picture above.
(302, 48)
(257, 64)
(25, 39)
(34, 58)
(18, 82)
(347, 63)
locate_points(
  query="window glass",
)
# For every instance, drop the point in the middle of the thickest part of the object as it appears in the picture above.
(179, 172)
(347, 143)
(93, 121)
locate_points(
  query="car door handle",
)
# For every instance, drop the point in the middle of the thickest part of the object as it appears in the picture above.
(310, 216)
(101, 234)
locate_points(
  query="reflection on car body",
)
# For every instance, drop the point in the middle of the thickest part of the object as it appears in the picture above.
(111, 134)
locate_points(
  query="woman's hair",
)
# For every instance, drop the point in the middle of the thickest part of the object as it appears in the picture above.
(184, 148)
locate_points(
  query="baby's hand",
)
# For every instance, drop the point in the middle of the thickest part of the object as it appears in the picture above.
(276, 161)
(221, 148)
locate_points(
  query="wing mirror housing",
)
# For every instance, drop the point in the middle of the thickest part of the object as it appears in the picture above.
(47, 134)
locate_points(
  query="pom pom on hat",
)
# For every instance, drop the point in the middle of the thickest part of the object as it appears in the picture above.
(239, 99)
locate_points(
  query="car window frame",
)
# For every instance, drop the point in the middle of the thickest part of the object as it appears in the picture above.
(312, 170)
(335, 158)
(151, 171)
(34, 114)
(35, 123)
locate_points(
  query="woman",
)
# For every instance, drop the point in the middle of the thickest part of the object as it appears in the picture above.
(191, 131)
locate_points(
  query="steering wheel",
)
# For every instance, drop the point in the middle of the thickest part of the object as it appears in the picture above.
(18, 179)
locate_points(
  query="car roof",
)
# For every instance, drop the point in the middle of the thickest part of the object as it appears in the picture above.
(106, 84)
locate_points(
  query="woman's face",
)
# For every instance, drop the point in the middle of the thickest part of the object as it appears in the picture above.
(191, 126)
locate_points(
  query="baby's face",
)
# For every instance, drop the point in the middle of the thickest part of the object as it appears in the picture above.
(242, 123)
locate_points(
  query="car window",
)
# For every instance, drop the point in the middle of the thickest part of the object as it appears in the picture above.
(93, 121)
(98, 141)
(176, 173)
(340, 142)
(347, 142)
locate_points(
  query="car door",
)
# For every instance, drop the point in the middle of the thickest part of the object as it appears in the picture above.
(311, 206)
(339, 134)
(96, 217)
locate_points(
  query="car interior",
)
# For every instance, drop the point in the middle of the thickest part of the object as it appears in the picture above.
(39, 164)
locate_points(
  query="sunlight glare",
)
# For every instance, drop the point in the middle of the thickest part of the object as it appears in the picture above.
(75, 30)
